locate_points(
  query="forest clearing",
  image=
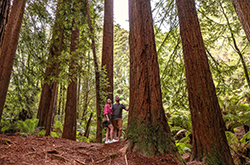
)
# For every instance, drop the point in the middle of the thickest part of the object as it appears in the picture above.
(174, 87)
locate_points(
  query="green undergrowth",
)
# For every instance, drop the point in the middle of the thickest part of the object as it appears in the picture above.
(239, 148)
(29, 127)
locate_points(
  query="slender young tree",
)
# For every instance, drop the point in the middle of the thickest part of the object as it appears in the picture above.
(97, 79)
(87, 130)
(242, 8)
(86, 86)
(107, 45)
(9, 47)
(47, 87)
(4, 13)
(69, 128)
(148, 129)
(245, 68)
(209, 139)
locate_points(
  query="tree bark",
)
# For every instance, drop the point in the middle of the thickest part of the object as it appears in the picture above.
(69, 129)
(242, 8)
(97, 79)
(4, 13)
(9, 47)
(47, 87)
(147, 125)
(209, 139)
(107, 46)
(51, 112)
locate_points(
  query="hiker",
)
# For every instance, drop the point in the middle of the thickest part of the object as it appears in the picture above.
(117, 117)
(109, 126)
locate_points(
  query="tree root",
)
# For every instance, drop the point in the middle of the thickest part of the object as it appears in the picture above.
(128, 147)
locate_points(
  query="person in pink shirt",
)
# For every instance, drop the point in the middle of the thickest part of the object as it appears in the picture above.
(109, 127)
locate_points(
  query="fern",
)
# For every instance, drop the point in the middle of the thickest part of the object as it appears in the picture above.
(57, 128)
(4, 128)
(231, 138)
(245, 138)
(54, 134)
(183, 148)
(27, 126)
(175, 129)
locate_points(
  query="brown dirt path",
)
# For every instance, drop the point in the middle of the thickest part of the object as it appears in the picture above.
(36, 150)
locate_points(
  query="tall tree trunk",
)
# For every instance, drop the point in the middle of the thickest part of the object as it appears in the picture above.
(69, 129)
(97, 79)
(107, 46)
(51, 112)
(47, 87)
(148, 129)
(242, 8)
(9, 47)
(86, 133)
(4, 13)
(209, 139)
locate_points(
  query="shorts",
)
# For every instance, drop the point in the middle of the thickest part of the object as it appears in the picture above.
(117, 123)
(108, 123)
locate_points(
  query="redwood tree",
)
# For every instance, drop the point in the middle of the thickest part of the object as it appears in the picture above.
(148, 129)
(4, 13)
(9, 47)
(69, 128)
(47, 87)
(107, 46)
(209, 139)
(242, 8)
(52, 108)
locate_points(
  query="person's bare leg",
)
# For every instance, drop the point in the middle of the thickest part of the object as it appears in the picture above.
(115, 129)
(107, 133)
(115, 132)
(111, 128)
(119, 134)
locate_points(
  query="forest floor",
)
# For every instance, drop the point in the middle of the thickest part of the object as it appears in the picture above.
(30, 149)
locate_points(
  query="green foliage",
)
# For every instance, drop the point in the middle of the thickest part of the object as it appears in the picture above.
(7, 123)
(236, 109)
(82, 139)
(239, 147)
(121, 64)
(27, 126)
(80, 135)
(183, 147)
(57, 128)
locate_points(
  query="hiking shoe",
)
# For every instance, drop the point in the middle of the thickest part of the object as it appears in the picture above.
(113, 141)
(107, 142)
